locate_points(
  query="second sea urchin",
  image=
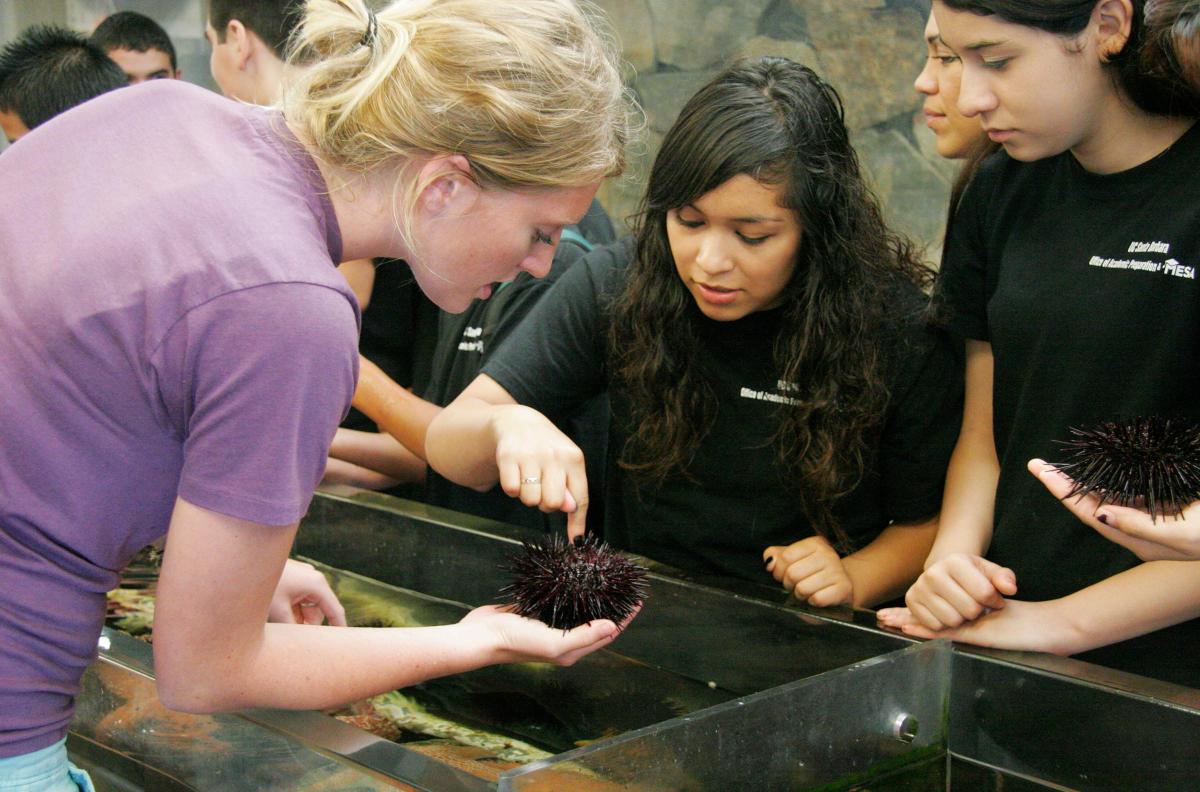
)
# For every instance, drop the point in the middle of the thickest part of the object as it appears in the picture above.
(566, 585)
(1153, 463)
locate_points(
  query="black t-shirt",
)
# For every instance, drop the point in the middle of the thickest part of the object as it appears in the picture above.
(738, 503)
(596, 226)
(468, 339)
(1085, 286)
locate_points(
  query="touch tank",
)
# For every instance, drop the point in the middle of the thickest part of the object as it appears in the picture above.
(716, 685)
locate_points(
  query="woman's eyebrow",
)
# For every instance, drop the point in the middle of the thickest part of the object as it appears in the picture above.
(978, 45)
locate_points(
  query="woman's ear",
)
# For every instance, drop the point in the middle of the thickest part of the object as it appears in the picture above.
(1113, 20)
(447, 185)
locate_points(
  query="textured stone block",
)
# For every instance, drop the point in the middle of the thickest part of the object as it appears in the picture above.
(699, 34)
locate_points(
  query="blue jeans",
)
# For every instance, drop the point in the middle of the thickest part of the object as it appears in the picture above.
(46, 770)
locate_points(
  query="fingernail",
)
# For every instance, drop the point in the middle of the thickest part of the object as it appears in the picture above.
(770, 560)
(578, 541)
(1102, 518)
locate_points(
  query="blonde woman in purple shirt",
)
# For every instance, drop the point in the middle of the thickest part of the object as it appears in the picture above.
(177, 348)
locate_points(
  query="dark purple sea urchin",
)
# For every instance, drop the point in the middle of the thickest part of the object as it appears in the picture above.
(1150, 462)
(567, 585)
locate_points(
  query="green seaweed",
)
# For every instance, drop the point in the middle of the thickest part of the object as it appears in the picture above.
(408, 714)
(131, 611)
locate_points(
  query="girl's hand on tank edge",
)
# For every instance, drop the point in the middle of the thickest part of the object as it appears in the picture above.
(959, 588)
(1149, 538)
(812, 570)
(1021, 626)
(303, 596)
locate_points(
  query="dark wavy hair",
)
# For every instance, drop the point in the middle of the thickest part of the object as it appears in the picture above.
(1149, 75)
(777, 121)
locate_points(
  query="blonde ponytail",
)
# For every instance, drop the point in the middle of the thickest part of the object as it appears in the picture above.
(529, 90)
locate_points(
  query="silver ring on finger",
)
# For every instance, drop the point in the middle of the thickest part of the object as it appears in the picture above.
(531, 480)
(308, 604)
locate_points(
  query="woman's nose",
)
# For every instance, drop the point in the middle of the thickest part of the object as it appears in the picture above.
(926, 83)
(539, 261)
(713, 254)
(975, 95)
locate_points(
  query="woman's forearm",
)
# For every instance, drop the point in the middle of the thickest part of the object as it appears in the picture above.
(215, 651)
(290, 666)
(213, 648)
(462, 440)
(378, 452)
(1148, 597)
(339, 471)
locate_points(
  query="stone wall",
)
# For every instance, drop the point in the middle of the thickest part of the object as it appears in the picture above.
(869, 50)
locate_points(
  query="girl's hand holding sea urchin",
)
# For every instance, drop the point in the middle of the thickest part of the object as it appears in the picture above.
(1151, 538)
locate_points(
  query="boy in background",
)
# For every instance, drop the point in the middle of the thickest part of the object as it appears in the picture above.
(139, 46)
(249, 44)
(46, 70)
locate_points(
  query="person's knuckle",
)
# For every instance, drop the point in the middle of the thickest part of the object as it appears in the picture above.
(823, 599)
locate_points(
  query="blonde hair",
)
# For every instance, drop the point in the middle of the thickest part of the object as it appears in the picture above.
(529, 91)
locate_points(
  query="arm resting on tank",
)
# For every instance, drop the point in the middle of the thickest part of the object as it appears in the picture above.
(1148, 597)
(339, 471)
(382, 459)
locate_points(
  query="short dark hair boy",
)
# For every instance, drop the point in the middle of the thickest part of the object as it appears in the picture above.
(249, 40)
(46, 70)
(139, 45)
(271, 20)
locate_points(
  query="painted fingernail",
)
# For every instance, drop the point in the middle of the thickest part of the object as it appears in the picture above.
(1102, 518)
(770, 560)
(578, 541)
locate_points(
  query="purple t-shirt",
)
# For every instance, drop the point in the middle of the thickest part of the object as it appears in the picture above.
(171, 324)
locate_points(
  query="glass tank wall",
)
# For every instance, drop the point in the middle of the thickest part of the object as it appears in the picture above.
(707, 689)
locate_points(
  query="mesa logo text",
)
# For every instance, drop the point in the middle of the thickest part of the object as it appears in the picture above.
(1169, 267)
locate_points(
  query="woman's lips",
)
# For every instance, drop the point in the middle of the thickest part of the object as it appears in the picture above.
(1000, 135)
(717, 295)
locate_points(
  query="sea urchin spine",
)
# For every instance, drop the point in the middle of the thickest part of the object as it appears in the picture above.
(1153, 463)
(566, 585)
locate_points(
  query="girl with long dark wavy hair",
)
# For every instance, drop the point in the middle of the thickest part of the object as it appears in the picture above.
(1071, 273)
(776, 395)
